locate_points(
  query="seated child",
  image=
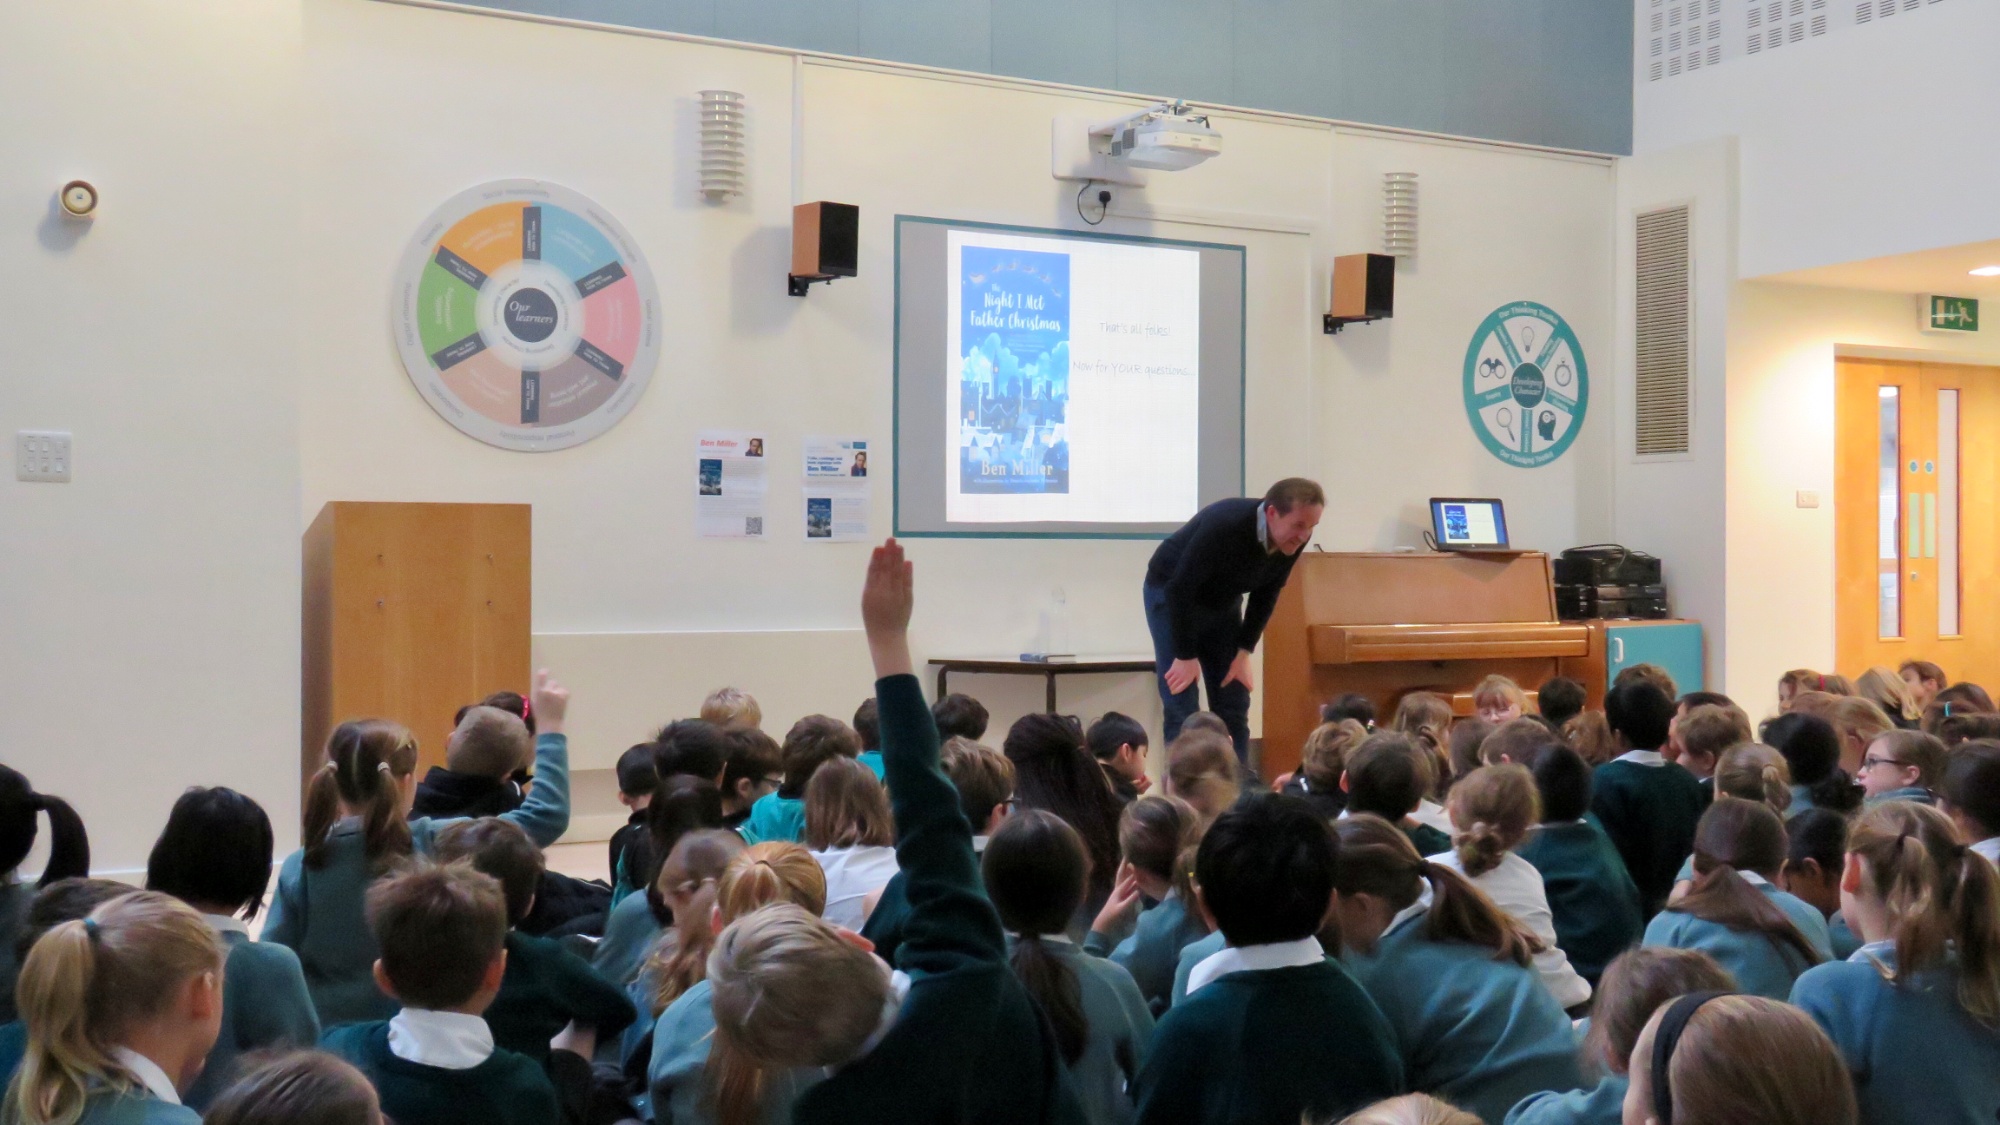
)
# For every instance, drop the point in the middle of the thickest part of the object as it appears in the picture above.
(1499, 700)
(480, 757)
(1560, 700)
(868, 728)
(812, 742)
(687, 1082)
(1736, 913)
(1518, 742)
(1321, 763)
(681, 805)
(731, 708)
(959, 716)
(122, 1008)
(1902, 765)
(1737, 1059)
(1747, 772)
(637, 780)
(1644, 673)
(691, 748)
(749, 772)
(1118, 743)
(298, 1088)
(215, 856)
(1451, 972)
(1969, 793)
(1811, 751)
(964, 1041)
(1914, 1011)
(688, 883)
(984, 779)
(1034, 869)
(1203, 770)
(1265, 872)
(1594, 905)
(1701, 734)
(69, 858)
(355, 830)
(1351, 705)
(442, 931)
(1154, 835)
(1426, 717)
(1466, 743)
(1646, 804)
(65, 900)
(545, 988)
(849, 830)
(1494, 808)
(1815, 857)
(1205, 722)
(1387, 775)
(1634, 987)
(1590, 736)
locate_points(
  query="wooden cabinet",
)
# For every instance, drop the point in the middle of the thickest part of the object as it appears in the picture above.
(411, 611)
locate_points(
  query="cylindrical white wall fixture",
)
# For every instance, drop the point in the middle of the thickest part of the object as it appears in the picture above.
(722, 162)
(1399, 214)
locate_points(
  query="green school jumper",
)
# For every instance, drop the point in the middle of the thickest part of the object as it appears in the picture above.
(1153, 950)
(1591, 895)
(1270, 1045)
(546, 988)
(265, 1006)
(1602, 1104)
(1649, 811)
(317, 912)
(1429, 841)
(506, 1089)
(1121, 1029)
(967, 1044)
(1194, 953)
(629, 933)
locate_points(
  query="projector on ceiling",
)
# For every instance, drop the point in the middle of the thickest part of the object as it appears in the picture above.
(1169, 137)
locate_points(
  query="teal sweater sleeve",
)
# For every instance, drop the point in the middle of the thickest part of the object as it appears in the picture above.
(285, 917)
(951, 922)
(544, 815)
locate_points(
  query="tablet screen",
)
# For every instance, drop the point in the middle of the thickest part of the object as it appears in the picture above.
(1459, 524)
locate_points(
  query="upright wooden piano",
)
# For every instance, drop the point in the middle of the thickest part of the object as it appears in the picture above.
(1384, 625)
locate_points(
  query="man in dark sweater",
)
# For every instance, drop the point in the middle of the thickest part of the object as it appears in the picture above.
(1195, 588)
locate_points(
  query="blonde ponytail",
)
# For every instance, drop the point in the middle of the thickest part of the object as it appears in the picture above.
(83, 981)
(1493, 807)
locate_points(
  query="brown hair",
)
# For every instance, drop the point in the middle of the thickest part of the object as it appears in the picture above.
(1493, 808)
(1943, 896)
(1710, 729)
(1755, 772)
(1411, 1109)
(1388, 775)
(1498, 687)
(732, 708)
(1589, 734)
(982, 775)
(1746, 1058)
(87, 980)
(1888, 691)
(1633, 987)
(1925, 670)
(1915, 748)
(440, 927)
(1857, 718)
(1203, 771)
(1959, 727)
(498, 848)
(776, 871)
(1325, 753)
(1377, 859)
(1520, 741)
(1647, 674)
(811, 743)
(846, 807)
(1424, 716)
(364, 757)
(1804, 680)
(1734, 836)
(691, 874)
(1154, 832)
(488, 742)
(1467, 740)
(1293, 491)
(298, 1088)
(1205, 722)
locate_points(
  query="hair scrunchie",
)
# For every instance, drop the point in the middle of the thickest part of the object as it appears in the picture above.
(91, 930)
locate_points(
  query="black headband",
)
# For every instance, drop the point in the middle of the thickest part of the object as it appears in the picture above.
(1665, 1040)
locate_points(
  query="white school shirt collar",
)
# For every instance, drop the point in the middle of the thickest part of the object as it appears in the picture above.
(892, 1006)
(1423, 903)
(1052, 939)
(226, 924)
(1642, 758)
(1990, 848)
(148, 1073)
(446, 1040)
(1254, 958)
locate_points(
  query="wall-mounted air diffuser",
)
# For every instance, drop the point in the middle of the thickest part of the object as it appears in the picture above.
(722, 161)
(1399, 214)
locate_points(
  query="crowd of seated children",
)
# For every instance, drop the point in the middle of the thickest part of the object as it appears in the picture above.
(1118, 743)
(1594, 904)
(812, 742)
(1388, 775)
(1053, 772)
(1151, 916)
(681, 805)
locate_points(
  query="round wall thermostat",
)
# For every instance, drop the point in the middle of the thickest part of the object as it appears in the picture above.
(79, 199)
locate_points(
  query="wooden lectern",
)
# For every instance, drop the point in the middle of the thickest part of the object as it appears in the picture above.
(1384, 625)
(412, 611)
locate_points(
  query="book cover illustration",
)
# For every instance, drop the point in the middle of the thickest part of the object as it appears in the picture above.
(1014, 375)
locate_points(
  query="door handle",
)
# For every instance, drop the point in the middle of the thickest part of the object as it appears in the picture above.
(1618, 650)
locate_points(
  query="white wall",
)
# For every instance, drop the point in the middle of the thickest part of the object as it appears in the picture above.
(151, 606)
(1869, 141)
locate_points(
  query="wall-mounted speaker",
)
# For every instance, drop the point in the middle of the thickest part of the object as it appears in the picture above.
(826, 243)
(1364, 289)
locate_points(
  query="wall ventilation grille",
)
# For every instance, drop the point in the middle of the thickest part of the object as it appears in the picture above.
(1685, 36)
(1665, 326)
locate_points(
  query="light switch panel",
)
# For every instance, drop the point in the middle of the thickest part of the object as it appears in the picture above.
(42, 455)
(1808, 498)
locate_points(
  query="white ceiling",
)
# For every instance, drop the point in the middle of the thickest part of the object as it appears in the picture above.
(1945, 270)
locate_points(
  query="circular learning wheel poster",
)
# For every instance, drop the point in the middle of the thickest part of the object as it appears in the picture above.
(526, 316)
(1526, 385)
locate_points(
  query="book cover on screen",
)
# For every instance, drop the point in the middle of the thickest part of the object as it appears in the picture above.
(1014, 375)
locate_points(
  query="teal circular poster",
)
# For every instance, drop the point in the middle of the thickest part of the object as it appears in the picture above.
(1526, 384)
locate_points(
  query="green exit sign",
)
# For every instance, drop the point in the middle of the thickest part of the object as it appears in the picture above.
(1948, 314)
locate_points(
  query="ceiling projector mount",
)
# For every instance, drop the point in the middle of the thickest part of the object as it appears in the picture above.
(1167, 137)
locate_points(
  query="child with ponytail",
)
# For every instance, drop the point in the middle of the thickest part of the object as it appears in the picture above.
(1452, 972)
(1035, 871)
(1493, 808)
(687, 1081)
(356, 830)
(1916, 1011)
(1735, 912)
(1815, 854)
(121, 1009)
(1157, 836)
(69, 858)
(1632, 989)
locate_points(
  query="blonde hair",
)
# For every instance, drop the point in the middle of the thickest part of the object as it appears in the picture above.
(488, 742)
(732, 708)
(847, 807)
(1500, 688)
(1411, 1109)
(1944, 899)
(1746, 1058)
(86, 982)
(1755, 772)
(1203, 771)
(364, 759)
(1493, 808)
(691, 872)
(776, 871)
(788, 991)
(1325, 753)
(1857, 718)
(1888, 691)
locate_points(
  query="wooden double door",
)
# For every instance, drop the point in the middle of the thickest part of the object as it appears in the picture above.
(1917, 517)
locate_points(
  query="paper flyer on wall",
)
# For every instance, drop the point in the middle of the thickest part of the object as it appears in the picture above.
(836, 512)
(831, 458)
(732, 478)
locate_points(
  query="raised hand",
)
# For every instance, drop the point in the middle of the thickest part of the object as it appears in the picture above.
(550, 702)
(886, 601)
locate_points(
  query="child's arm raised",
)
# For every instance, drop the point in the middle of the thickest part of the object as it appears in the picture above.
(950, 920)
(544, 816)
